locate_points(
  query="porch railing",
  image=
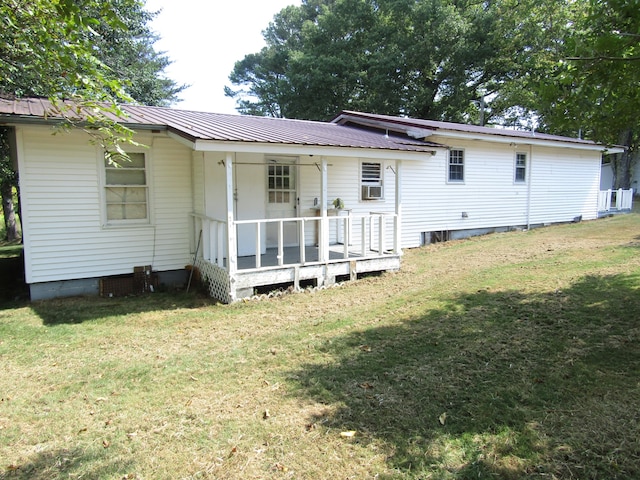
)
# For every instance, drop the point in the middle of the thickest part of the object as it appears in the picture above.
(620, 199)
(210, 235)
(377, 237)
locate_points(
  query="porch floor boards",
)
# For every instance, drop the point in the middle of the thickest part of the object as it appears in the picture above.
(292, 256)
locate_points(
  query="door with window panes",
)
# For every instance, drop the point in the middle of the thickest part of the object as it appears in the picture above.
(282, 197)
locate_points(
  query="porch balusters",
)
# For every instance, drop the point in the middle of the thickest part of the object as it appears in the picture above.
(280, 243)
(381, 225)
(301, 242)
(258, 246)
(363, 234)
(623, 200)
(346, 237)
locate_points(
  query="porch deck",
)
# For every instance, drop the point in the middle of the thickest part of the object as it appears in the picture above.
(231, 276)
(292, 257)
(229, 287)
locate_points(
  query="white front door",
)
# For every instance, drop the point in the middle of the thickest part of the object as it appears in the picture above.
(282, 199)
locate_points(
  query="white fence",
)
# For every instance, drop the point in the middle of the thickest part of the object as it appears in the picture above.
(615, 200)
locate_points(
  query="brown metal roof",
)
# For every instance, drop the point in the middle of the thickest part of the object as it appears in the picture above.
(404, 124)
(202, 126)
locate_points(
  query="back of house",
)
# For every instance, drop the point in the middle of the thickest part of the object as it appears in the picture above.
(326, 200)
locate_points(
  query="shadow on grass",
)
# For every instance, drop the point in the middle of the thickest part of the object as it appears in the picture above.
(75, 310)
(495, 385)
(66, 463)
(12, 285)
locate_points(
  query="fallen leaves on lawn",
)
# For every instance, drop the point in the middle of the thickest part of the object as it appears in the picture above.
(280, 467)
(443, 418)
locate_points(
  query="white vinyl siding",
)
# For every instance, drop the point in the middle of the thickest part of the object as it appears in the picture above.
(198, 180)
(562, 182)
(63, 201)
(341, 173)
(564, 185)
(63, 232)
(488, 195)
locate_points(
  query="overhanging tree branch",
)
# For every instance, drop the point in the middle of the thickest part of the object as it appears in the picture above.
(603, 57)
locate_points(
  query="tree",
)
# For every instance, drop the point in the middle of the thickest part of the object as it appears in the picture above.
(8, 178)
(263, 77)
(129, 53)
(603, 67)
(582, 79)
(98, 54)
(425, 58)
(559, 66)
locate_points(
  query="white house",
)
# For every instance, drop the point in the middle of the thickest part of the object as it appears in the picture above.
(251, 201)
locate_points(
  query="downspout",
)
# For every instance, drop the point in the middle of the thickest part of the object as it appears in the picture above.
(529, 182)
(323, 240)
(397, 247)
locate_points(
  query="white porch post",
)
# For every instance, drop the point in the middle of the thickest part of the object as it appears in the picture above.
(397, 238)
(323, 240)
(232, 250)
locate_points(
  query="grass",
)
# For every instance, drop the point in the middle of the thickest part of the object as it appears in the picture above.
(507, 356)
(10, 250)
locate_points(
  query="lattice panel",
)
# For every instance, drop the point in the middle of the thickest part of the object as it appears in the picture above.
(216, 279)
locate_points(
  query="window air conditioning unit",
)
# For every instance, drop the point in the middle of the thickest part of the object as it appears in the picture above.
(371, 192)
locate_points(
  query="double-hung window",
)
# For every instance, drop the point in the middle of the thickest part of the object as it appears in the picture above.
(126, 191)
(456, 166)
(521, 168)
(371, 181)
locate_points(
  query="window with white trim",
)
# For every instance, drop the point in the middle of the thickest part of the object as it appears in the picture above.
(371, 185)
(456, 165)
(521, 168)
(126, 191)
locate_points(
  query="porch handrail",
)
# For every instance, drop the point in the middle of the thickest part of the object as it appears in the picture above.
(213, 237)
(368, 222)
(623, 200)
(374, 227)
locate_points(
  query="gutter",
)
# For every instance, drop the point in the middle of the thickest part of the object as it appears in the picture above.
(531, 141)
(406, 127)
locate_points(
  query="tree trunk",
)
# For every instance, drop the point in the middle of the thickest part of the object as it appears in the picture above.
(622, 163)
(6, 192)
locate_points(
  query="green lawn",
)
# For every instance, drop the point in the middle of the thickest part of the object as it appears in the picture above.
(11, 250)
(506, 356)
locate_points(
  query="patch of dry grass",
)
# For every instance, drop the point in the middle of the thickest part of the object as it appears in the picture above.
(508, 356)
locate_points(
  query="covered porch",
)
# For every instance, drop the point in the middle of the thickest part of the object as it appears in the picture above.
(333, 245)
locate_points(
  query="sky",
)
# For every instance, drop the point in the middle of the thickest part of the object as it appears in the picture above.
(204, 39)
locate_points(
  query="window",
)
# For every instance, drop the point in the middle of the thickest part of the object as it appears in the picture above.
(521, 167)
(456, 165)
(126, 188)
(281, 183)
(371, 181)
